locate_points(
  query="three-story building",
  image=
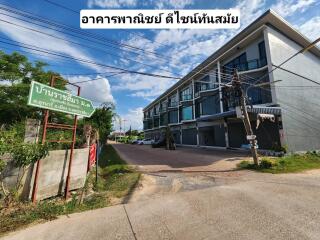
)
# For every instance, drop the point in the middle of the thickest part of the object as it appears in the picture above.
(200, 108)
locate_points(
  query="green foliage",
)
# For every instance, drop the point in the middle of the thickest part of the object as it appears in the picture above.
(24, 154)
(266, 164)
(101, 119)
(2, 165)
(286, 164)
(116, 180)
(16, 74)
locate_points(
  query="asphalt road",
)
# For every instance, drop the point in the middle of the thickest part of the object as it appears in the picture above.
(200, 205)
(189, 159)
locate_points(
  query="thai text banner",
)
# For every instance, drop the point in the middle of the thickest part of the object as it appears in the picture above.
(160, 19)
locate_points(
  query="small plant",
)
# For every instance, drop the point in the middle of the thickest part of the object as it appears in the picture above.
(22, 154)
(265, 164)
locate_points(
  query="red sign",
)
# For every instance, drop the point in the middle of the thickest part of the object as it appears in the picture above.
(92, 155)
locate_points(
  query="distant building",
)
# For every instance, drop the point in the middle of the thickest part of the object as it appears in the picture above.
(200, 112)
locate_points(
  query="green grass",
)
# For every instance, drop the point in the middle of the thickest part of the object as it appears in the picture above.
(287, 164)
(116, 180)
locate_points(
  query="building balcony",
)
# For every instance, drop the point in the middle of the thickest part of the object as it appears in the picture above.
(173, 104)
(245, 66)
(186, 97)
(205, 87)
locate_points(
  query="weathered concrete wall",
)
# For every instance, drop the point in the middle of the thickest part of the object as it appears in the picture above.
(298, 97)
(53, 173)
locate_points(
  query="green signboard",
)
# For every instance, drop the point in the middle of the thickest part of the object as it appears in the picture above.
(44, 96)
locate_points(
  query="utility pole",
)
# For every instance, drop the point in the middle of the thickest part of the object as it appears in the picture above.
(239, 93)
(124, 126)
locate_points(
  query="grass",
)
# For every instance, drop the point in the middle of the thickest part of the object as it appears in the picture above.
(287, 164)
(116, 180)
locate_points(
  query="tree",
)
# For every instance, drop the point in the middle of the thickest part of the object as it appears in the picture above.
(16, 74)
(101, 119)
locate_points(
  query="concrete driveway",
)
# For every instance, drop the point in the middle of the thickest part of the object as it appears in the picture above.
(192, 204)
(184, 159)
(252, 206)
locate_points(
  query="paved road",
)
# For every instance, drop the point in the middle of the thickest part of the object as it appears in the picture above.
(222, 205)
(183, 159)
(255, 206)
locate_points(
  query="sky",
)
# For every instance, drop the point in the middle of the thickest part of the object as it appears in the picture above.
(171, 52)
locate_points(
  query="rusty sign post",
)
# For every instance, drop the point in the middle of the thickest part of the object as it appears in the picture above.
(51, 98)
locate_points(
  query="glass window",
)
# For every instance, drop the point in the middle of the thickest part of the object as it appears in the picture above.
(210, 105)
(262, 50)
(186, 94)
(173, 101)
(238, 62)
(173, 116)
(187, 113)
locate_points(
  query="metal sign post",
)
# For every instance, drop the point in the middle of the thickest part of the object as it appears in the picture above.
(50, 98)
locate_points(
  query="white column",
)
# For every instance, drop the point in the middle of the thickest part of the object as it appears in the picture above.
(178, 102)
(194, 109)
(220, 88)
(226, 135)
(193, 101)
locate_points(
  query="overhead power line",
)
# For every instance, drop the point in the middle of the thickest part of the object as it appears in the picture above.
(78, 13)
(73, 29)
(35, 48)
(291, 57)
(80, 44)
(306, 78)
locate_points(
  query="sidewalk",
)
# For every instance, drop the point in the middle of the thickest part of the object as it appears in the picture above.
(261, 207)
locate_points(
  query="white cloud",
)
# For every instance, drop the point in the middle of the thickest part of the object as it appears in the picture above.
(177, 4)
(250, 10)
(143, 86)
(311, 28)
(132, 118)
(112, 3)
(97, 91)
(43, 41)
(288, 7)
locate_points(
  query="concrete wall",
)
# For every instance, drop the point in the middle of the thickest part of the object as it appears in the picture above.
(298, 97)
(53, 173)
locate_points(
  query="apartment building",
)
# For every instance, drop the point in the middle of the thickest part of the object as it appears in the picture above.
(201, 110)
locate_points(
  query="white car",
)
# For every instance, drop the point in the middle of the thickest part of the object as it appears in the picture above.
(146, 142)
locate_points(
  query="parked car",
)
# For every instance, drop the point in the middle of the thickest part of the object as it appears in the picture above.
(136, 141)
(160, 143)
(146, 142)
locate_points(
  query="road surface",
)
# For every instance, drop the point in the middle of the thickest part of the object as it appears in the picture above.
(222, 205)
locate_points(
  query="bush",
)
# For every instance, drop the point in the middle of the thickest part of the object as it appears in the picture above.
(265, 164)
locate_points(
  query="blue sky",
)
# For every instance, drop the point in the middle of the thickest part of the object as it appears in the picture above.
(166, 52)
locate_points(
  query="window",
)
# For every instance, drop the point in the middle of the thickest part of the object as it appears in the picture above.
(210, 105)
(173, 101)
(239, 62)
(173, 116)
(156, 109)
(262, 50)
(187, 113)
(163, 107)
(186, 94)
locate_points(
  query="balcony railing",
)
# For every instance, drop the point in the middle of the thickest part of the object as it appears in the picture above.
(246, 66)
(173, 104)
(186, 97)
(201, 87)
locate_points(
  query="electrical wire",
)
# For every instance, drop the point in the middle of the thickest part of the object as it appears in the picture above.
(78, 12)
(83, 60)
(80, 44)
(75, 30)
